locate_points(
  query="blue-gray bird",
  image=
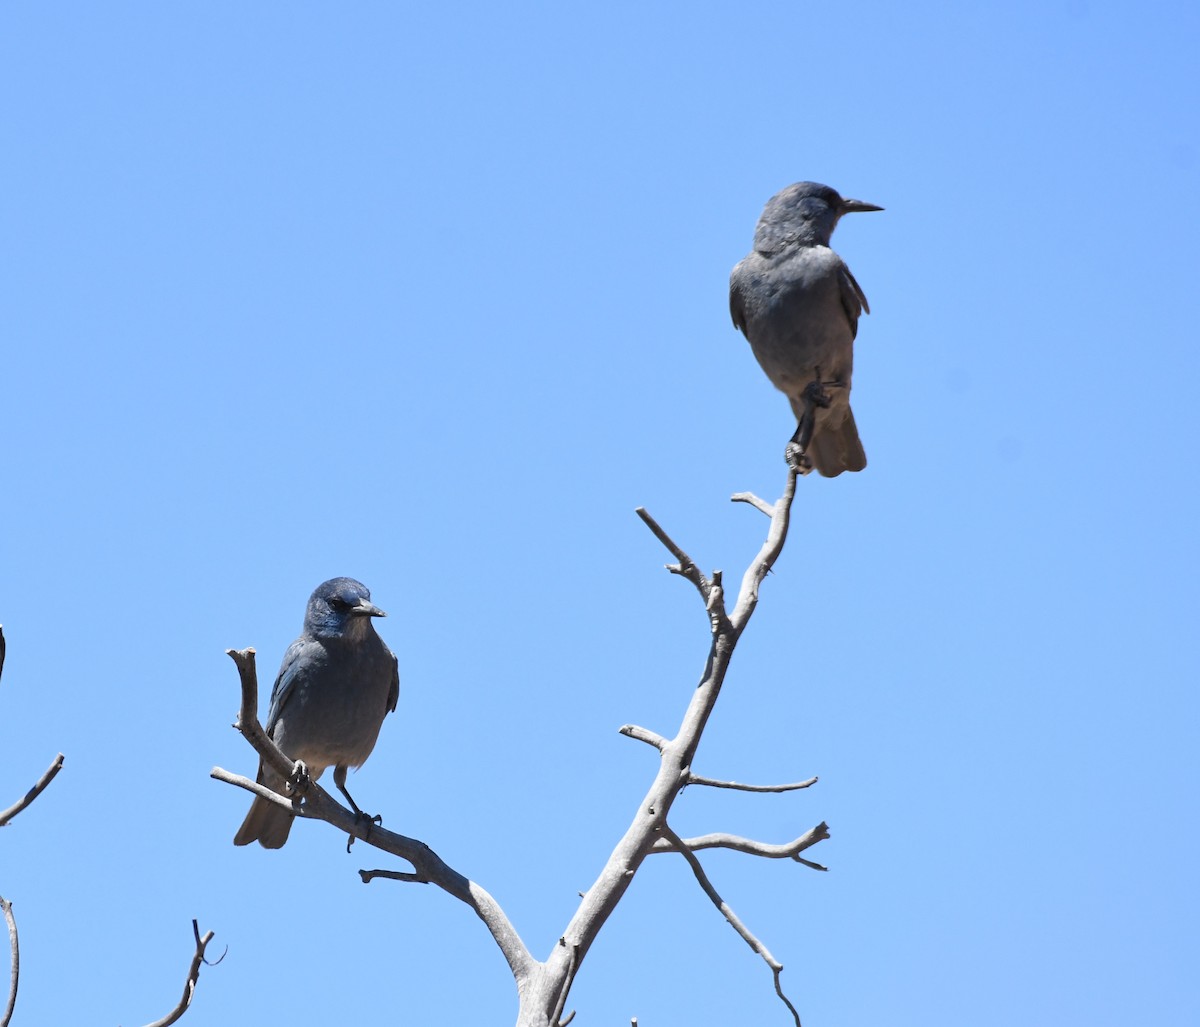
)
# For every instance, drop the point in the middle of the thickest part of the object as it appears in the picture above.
(337, 683)
(798, 304)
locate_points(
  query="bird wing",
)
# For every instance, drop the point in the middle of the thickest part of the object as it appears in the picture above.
(293, 666)
(736, 309)
(394, 688)
(853, 298)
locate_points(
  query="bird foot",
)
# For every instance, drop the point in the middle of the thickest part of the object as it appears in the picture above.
(359, 817)
(797, 459)
(299, 779)
(816, 393)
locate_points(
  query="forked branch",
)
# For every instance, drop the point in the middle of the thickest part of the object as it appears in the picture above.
(189, 986)
(748, 936)
(543, 987)
(315, 803)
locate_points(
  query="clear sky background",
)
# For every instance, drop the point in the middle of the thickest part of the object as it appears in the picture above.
(435, 296)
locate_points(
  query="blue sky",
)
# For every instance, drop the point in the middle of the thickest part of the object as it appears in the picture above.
(435, 297)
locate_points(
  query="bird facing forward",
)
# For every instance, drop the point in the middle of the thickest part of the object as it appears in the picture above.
(797, 303)
(337, 683)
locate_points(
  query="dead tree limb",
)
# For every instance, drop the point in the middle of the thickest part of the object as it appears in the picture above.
(14, 972)
(787, 850)
(313, 802)
(40, 786)
(43, 781)
(696, 779)
(543, 986)
(748, 936)
(189, 986)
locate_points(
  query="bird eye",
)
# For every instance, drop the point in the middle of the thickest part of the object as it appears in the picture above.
(338, 603)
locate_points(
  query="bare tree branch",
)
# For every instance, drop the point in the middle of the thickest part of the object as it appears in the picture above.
(767, 555)
(678, 753)
(50, 774)
(696, 779)
(543, 987)
(788, 850)
(391, 875)
(747, 935)
(754, 501)
(686, 566)
(14, 973)
(263, 792)
(189, 986)
(314, 802)
(43, 781)
(642, 735)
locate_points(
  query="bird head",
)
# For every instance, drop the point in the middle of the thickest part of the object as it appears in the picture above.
(340, 607)
(805, 213)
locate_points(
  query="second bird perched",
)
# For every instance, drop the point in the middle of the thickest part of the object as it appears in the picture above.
(797, 303)
(337, 683)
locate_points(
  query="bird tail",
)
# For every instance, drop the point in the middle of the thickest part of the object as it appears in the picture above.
(266, 823)
(836, 447)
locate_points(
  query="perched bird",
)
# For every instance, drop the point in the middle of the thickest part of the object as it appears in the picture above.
(798, 304)
(337, 683)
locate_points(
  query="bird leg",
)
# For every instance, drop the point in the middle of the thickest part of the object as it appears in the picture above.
(339, 779)
(796, 451)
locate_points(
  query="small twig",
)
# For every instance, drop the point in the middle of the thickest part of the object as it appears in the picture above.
(642, 735)
(34, 792)
(14, 974)
(262, 791)
(787, 850)
(2, 648)
(754, 501)
(747, 935)
(392, 875)
(696, 779)
(570, 1017)
(189, 986)
(686, 566)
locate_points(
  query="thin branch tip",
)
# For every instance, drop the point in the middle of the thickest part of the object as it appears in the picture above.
(697, 779)
(39, 786)
(752, 500)
(642, 734)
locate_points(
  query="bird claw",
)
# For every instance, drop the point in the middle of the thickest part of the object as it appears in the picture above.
(299, 779)
(797, 459)
(359, 817)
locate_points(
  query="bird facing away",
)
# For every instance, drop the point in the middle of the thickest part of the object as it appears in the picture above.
(337, 683)
(798, 304)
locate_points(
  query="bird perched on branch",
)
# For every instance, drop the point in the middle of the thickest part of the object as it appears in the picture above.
(337, 683)
(798, 304)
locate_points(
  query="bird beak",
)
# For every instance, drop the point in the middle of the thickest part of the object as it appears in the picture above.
(855, 206)
(366, 609)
